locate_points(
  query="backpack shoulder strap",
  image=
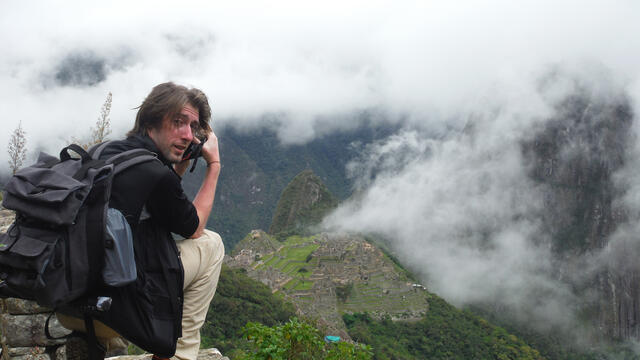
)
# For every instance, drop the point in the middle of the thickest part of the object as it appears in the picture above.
(125, 159)
(130, 158)
(96, 150)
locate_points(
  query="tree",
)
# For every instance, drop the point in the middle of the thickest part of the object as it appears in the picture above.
(17, 148)
(103, 125)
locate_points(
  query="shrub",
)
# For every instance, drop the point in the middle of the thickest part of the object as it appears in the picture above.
(298, 340)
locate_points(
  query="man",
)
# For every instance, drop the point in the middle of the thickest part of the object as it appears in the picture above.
(151, 198)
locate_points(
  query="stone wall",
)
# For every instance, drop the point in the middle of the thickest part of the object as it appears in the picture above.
(23, 331)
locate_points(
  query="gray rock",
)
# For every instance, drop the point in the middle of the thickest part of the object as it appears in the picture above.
(24, 307)
(31, 353)
(28, 330)
(61, 353)
(32, 357)
(6, 218)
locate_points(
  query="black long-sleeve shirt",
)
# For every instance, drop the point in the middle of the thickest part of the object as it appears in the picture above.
(154, 184)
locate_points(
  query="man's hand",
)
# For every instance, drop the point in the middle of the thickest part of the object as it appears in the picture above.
(210, 152)
(203, 201)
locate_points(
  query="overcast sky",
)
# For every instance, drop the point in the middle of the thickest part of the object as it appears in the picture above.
(434, 64)
(427, 60)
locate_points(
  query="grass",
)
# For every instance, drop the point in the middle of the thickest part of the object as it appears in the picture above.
(272, 261)
(297, 240)
(290, 284)
(303, 285)
(290, 268)
(301, 253)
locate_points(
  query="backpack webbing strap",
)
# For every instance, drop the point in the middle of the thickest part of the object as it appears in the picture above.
(48, 333)
(123, 160)
(64, 153)
(82, 172)
(96, 150)
(123, 156)
(130, 158)
(96, 351)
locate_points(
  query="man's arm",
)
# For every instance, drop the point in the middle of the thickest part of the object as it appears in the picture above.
(203, 201)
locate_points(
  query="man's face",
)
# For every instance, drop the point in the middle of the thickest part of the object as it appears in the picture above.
(175, 134)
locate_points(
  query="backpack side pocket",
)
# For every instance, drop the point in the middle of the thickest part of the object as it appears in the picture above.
(119, 259)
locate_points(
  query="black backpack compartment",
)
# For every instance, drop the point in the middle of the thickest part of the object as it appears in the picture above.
(29, 259)
(55, 264)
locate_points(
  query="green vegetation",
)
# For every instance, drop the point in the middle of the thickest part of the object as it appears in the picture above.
(557, 344)
(257, 167)
(344, 291)
(293, 259)
(298, 340)
(238, 300)
(444, 333)
(303, 203)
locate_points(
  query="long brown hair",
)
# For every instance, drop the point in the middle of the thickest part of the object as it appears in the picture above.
(168, 99)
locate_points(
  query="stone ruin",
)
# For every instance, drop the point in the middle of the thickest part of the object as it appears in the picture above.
(339, 261)
(23, 335)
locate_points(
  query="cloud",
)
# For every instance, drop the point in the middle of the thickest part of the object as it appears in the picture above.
(490, 212)
(428, 62)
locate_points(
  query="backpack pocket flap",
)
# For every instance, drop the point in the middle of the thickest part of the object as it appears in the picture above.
(6, 241)
(49, 194)
(29, 247)
(42, 185)
(28, 253)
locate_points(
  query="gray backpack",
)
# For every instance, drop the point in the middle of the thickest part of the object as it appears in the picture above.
(65, 241)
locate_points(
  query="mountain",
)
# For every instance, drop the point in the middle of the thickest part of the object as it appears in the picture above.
(238, 300)
(326, 275)
(353, 289)
(574, 159)
(303, 204)
(256, 167)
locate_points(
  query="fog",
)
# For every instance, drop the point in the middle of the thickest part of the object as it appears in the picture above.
(451, 189)
(428, 61)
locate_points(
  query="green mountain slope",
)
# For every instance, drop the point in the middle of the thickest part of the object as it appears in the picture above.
(352, 289)
(238, 300)
(326, 275)
(256, 168)
(444, 333)
(303, 203)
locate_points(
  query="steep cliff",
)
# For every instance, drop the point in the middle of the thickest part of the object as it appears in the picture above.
(574, 158)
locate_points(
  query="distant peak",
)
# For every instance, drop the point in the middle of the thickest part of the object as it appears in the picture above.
(303, 203)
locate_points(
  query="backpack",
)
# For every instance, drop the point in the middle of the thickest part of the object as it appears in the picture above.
(65, 241)
(69, 251)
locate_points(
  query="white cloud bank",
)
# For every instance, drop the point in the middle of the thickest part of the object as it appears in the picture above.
(429, 61)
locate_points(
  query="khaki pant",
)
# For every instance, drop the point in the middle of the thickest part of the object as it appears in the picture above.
(202, 261)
